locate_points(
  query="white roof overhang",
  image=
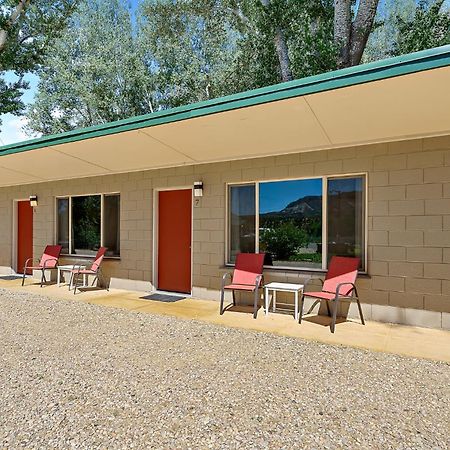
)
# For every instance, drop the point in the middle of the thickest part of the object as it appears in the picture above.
(355, 108)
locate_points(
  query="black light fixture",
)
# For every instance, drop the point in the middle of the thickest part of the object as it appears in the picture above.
(198, 188)
(33, 201)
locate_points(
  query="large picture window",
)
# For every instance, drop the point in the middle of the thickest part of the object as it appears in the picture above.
(86, 223)
(298, 223)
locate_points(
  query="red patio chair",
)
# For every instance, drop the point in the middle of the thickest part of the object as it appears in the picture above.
(49, 260)
(339, 285)
(94, 269)
(247, 276)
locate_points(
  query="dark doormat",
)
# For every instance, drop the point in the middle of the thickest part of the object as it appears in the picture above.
(163, 298)
(10, 277)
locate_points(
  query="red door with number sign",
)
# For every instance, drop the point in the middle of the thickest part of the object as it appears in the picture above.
(174, 240)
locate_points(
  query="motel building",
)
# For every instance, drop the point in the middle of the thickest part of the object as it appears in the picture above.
(354, 162)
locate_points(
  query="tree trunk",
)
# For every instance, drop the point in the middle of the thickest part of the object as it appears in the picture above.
(20, 9)
(361, 28)
(283, 55)
(351, 37)
(282, 51)
(342, 30)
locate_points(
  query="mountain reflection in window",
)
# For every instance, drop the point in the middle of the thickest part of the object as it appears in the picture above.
(290, 222)
(346, 217)
(242, 220)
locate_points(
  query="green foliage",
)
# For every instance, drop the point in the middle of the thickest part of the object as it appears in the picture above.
(383, 39)
(26, 40)
(94, 72)
(10, 96)
(283, 240)
(405, 26)
(86, 223)
(430, 27)
(191, 50)
(200, 49)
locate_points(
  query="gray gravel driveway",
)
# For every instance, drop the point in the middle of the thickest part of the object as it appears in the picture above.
(74, 375)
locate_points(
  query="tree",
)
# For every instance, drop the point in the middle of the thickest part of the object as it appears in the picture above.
(200, 49)
(385, 34)
(297, 34)
(352, 26)
(94, 72)
(191, 50)
(26, 28)
(430, 27)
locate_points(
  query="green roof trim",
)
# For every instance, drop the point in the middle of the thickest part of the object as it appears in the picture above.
(379, 70)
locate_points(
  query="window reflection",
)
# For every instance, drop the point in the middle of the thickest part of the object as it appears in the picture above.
(290, 222)
(242, 220)
(86, 224)
(346, 217)
(111, 224)
(63, 224)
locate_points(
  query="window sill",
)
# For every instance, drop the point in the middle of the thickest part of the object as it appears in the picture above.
(312, 272)
(112, 258)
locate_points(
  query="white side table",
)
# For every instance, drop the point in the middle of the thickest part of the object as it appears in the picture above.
(282, 287)
(69, 269)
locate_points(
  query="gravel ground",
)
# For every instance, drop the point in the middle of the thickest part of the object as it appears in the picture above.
(74, 375)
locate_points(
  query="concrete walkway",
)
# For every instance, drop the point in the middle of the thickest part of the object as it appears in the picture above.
(382, 337)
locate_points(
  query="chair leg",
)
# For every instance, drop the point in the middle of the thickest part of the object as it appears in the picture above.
(300, 313)
(222, 298)
(327, 302)
(255, 305)
(24, 273)
(43, 280)
(75, 283)
(335, 310)
(360, 310)
(234, 298)
(313, 306)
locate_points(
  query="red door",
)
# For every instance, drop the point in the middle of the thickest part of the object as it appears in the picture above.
(174, 240)
(24, 234)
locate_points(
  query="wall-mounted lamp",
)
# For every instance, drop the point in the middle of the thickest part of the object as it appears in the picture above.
(198, 188)
(33, 201)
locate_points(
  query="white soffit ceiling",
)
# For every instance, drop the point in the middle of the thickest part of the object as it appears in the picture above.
(413, 105)
(404, 107)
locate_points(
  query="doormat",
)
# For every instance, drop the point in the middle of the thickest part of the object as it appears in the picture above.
(10, 277)
(163, 298)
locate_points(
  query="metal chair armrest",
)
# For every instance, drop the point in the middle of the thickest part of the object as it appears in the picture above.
(309, 280)
(78, 267)
(28, 260)
(47, 260)
(338, 288)
(224, 277)
(258, 280)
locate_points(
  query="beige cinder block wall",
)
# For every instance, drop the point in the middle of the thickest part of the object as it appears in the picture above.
(408, 222)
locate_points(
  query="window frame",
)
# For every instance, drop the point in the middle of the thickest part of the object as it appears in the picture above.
(102, 211)
(324, 179)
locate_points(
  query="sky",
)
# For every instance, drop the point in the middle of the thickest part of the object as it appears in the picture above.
(275, 196)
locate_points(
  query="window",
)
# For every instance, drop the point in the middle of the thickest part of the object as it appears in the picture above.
(242, 220)
(85, 223)
(290, 222)
(63, 224)
(346, 217)
(298, 223)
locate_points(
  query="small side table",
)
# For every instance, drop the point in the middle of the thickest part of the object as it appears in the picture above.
(282, 287)
(69, 269)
